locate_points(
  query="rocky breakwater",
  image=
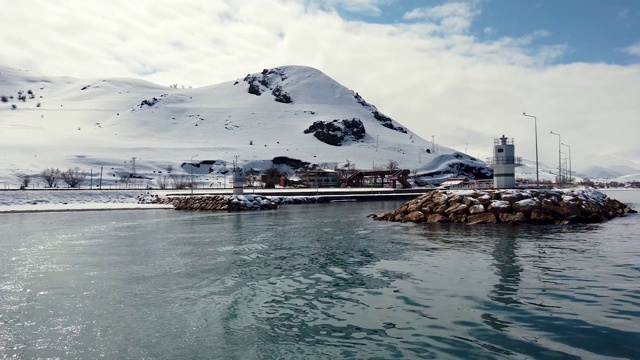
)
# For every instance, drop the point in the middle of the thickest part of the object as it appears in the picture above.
(228, 202)
(218, 202)
(557, 206)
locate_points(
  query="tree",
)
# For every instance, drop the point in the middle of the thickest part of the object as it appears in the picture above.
(73, 177)
(180, 181)
(50, 176)
(162, 182)
(392, 165)
(25, 180)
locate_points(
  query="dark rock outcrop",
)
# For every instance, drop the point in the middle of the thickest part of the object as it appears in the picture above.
(564, 206)
(336, 132)
(267, 80)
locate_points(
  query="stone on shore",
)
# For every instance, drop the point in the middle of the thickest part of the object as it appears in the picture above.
(515, 206)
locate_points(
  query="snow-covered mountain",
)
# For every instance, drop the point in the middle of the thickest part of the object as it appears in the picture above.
(294, 112)
(620, 173)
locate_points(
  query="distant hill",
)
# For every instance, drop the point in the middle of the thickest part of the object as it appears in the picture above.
(295, 112)
(608, 173)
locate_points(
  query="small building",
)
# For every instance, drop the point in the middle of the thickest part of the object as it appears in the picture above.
(464, 183)
(320, 178)
(504, 163)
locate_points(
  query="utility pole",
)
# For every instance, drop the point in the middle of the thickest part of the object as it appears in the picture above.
(191, 163)
(559, 156)
(535, 124)
(433, 144)
(133, 165)
(570, 172)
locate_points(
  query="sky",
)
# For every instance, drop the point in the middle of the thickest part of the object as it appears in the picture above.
(461, 71)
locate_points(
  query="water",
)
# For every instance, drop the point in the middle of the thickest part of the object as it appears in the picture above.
(315, 282)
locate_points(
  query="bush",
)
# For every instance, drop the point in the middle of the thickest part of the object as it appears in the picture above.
(14, 106)
(50, 176)
(74, 177)
(25, 180)
(4, 98)
(181, 181)
(162, 182)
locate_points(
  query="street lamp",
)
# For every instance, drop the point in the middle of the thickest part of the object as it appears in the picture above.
(559, 156)
(570, 177)
(565, 162)
(535, 123)
(192, 172)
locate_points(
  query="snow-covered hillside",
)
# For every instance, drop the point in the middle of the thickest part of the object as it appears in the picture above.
(290, 111)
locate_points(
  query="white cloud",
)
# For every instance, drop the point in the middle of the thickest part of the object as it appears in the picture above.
(435, 82)
(454, 17)
(366, 7)
(623, 14)
(633, 49)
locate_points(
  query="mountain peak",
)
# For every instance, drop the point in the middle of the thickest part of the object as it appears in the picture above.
(290, 111)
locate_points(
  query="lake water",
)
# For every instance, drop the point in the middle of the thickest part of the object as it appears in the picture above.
(315, 282)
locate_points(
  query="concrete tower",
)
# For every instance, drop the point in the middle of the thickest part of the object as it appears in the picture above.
(238, 179)
(504, 163)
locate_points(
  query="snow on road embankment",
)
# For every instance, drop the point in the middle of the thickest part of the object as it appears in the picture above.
(61, 200)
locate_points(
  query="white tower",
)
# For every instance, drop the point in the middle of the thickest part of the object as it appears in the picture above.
(504, 163)
(238, 179)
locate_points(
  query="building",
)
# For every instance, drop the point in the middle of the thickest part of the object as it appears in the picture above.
(504, 163)
(320, 178)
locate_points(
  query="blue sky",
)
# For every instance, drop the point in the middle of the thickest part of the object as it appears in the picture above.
(464, 70)
(590, 30)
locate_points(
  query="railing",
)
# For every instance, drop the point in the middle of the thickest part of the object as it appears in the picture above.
(499, 141)
(504, 160)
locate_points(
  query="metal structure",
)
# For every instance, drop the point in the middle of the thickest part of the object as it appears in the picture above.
(570, 173)
(559, 156)
(191, 163)
(535, 124)
(238, 178)
(504, 163)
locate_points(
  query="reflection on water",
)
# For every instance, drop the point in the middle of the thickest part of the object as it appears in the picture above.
(316, 281)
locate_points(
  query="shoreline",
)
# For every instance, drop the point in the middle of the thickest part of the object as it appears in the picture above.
(42, 201)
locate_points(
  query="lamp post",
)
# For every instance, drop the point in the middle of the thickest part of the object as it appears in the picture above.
(535, 123)
(565, 165)
(191, 163)
(559, 156)
(570, 176)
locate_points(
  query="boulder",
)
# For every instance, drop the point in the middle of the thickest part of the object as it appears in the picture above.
(476, 209)
(437, 218)
(458, 218)
(512, 197)
(415, 216)
(484, 218)
(499, 206)
(540, 216)
(526, 206)
(456, 208)
(516, 218)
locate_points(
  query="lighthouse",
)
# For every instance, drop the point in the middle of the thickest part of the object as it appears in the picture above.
(238, 179)
(504, 163)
